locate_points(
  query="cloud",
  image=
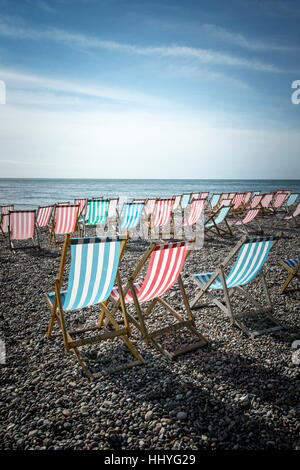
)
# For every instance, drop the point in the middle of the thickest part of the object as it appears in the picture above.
(204, 56)
(240, 40)
(15, 79)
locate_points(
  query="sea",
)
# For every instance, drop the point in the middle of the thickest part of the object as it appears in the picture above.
(30, 193)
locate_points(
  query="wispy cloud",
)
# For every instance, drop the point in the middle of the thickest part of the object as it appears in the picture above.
(204, 56)
(242, 41)
(19, 80)
(43, 5)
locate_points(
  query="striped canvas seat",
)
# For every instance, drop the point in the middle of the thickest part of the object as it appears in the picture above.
(132, 212)
(65, 220)
(295, 213)
(217, 221)
(21, 226)
(149, 206)
(237, 201)
(266, 200)
(255, 201)
(197, 208)
(247, 218)
(82, 206)
(278, 200)
(219, 218)
(96, 212)
(214, 201)
(177, 202)
(92, 274)
(292, 266)
(291, 200)
(252, 254)
(163, 211)
(185, 200)
(247, 197)
(4, 218)
(164, 267)
(43, 216)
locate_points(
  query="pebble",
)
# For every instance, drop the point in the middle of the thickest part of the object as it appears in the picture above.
(236, 393)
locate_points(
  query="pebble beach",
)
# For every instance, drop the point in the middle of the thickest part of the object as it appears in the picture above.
(235, 393)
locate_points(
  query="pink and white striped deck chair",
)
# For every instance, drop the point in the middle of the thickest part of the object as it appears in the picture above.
(266, 201)
(196, 210)
(4, 219)
(43, 216)
(278, 200)
(162, 213)
(149, 206)
(82, 206)
(164, 268)
(292, 218)
(204, 195)
(247, 219)
(22, 227)
(255, 201)
(247, 197)
(237, 201)
(64, 222)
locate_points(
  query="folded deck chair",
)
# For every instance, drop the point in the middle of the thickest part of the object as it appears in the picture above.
(64, 221)
(292, 266)
(164, 267)
(216, 219)
(43, 216)
(243, 222)
(93, 271)
(22, 227)
(251, 254)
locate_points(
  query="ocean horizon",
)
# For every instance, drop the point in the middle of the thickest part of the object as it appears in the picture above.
(29, 193)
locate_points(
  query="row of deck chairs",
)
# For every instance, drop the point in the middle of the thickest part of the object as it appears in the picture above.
(94, 279)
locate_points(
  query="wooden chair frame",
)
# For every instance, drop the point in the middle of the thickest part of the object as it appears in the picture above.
(105, 318)
(142, 315)
(293, 273)
(226, 305)
(215, 227)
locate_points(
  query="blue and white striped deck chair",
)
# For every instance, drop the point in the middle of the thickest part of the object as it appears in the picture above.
(292, 266)
(291, 201)
(185, 200)
(132, 212)
(214, 201)
(251, 254)
(215, 219)
(94, 269)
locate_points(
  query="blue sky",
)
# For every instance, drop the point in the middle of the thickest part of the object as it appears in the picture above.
(149, 89)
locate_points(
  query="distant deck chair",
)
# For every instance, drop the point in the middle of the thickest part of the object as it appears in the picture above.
(164, 268)
(255, 201)
(22, 227)
(96, 212)
(161, 219)
(132, 212)
(247, 197)
(292, 218)
(237, 202)
(278, 201)
(196, 210)
(252, 255)
(216, 221)
(291, 200)
(4, 219)
(266, 201)
(112, 207)
(243, 222)
(93, 271)
(185, 200)
(64, 221)
(214, 201)
(43, 217)
(82, 206)
(292, 266)
(149, 206)
(204, 195)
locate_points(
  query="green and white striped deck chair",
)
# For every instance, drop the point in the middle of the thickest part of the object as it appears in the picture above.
(96, 212)
(93, 271)
(252, 255)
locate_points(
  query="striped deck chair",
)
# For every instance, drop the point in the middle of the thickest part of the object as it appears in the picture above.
(244, 221)
(164, 268)
(237, 202)
(292, 266)
(255, 201)
(292, 218)
(266, 201)
(247, 197)
(162, 216)
(185, 200)
(96, 212)
(204, 195)
(216, 221)
(194, 196)
(291, 200)
(277, 201)
(43, 216)
(196, 210)
(22, 227)
(149, 206)
(251, 254)
(4, 219)
(64, 221)
(82, 206)
(132, 212)
(93, 271)
(214, 201)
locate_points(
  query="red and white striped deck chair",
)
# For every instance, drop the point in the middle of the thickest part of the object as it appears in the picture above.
(149, 206)
(204, 195)
(64, 221)
(82, 206)
(164, 268)
(43, 217)
(4, 219)
(162, 216)
(196, 210)
(22, 227)
(266, 201)
(194, 196)
(278, 200)
(292, 218)
(247, 197)
(237, 202)
(255, 201)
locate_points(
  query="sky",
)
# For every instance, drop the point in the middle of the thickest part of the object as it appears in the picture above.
(150, 89)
